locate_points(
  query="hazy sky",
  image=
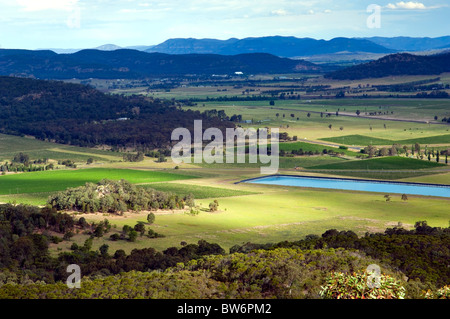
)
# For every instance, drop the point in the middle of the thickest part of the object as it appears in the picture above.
(31, 24)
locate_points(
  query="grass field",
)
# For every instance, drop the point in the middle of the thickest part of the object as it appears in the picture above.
(367, 140)
(42, 183)
(199, 192)
(313, 148)
(11, 145)
(279, 213)
(284, 162)
(382, 163)
(358, 140)
(261, 213)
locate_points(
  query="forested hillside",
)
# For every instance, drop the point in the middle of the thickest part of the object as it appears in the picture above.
(395, 64)
(80, 115)
(133, 64)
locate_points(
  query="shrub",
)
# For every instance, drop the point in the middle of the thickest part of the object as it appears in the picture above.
(151, 218)
(355, 286)
(442, 293)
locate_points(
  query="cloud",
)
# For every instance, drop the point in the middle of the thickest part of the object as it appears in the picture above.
(410, 5)
(279, 12)
(33, 5)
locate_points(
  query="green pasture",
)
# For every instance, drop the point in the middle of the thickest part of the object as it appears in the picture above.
(57, 180)
(367, 140)
(11, 145)
(280, 213)
(382, 163)
(199, 192)
(316, 127)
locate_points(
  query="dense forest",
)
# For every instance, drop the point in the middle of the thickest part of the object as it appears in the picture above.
(412, 262)
(133, 64)
(80, 115)
(395, 64)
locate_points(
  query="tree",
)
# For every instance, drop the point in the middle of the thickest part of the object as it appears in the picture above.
(330, 126)
(104, 250)
(151, 218)
(140, 228)
(404, 197)
(213, 206)
(272, 103)
(88, 244)
(384, 151)
(132, 235)
(98, 232)
(393, 150)
(417, 148)
(358, 112)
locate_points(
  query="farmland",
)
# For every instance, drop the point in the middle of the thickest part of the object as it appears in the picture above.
(261, 213)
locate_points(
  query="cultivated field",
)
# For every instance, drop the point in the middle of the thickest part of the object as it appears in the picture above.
(259, 213)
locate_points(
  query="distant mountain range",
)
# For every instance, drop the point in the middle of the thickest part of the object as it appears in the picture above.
(277, 45)
(270, 55)
(286, 46)
(133, 64)
(395, 65)
(412, 44)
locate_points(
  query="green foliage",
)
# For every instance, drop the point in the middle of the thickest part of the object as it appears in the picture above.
(80, 115)
(441, 293)
(213, 206)
(113, 196)
(355, 286)
(151, 218)
(132, 235)
(129, 157)
(152, 234)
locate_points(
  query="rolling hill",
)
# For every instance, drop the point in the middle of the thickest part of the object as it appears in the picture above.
(133, 64)
(80, 115)
(412, 43)
(395, 64)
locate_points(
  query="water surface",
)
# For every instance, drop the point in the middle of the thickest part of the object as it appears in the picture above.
(356, 185)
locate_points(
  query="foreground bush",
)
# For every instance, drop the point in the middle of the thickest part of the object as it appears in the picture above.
(442, 293)
(280, 273)
(357, 286)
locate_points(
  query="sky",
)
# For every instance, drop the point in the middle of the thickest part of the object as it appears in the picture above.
(69, 24)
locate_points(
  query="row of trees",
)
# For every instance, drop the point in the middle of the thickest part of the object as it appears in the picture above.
(397, 149)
